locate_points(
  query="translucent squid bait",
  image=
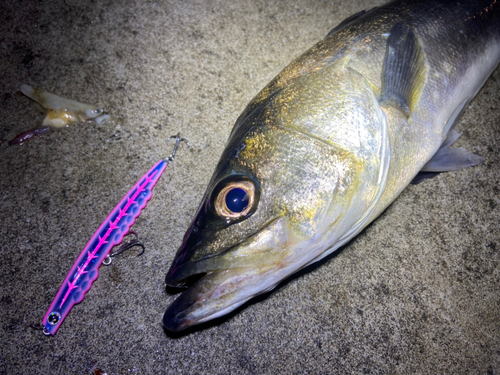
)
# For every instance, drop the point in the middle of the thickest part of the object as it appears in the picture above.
(111, 233)
(61, 112)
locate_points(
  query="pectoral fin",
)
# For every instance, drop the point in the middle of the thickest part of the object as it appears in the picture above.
(447, 159)
(404, 71)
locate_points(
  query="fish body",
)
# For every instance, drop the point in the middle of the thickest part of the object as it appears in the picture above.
(329, 143)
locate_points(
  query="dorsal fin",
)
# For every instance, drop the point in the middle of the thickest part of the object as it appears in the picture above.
(350, 20)
(404, 70)
(345, 22)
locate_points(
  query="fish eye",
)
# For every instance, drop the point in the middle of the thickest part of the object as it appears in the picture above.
(235, 200)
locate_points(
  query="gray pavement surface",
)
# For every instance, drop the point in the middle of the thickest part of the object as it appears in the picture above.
(418, 291)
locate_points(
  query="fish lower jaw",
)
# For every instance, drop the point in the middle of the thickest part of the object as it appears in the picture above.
(222, 291)
(180, 322)
(216, 294)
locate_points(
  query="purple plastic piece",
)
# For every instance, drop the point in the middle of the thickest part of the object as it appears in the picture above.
(111, 232)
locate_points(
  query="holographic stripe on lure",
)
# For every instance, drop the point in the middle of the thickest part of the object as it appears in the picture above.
(111, 233)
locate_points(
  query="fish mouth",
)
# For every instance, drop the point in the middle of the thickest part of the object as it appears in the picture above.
(206, 281)
(210, 297)
(226, 281)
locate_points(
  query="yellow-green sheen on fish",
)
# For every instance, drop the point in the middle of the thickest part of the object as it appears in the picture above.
(329, 143)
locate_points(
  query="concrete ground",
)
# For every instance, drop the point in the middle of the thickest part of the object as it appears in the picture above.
(417, 292)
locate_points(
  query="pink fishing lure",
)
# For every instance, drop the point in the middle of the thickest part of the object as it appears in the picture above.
(111, 233)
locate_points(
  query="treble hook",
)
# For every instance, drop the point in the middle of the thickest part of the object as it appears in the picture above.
(178, 140)
(125, 247)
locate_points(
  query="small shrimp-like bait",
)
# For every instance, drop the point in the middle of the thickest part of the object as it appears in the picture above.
(61, 113)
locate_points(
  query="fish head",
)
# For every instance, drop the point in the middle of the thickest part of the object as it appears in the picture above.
(273, 197)
(279, 198)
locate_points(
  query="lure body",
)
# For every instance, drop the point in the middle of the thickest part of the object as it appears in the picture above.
(111, 232)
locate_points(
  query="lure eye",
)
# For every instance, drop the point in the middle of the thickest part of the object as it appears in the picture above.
(54, 318)
(235, 200)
